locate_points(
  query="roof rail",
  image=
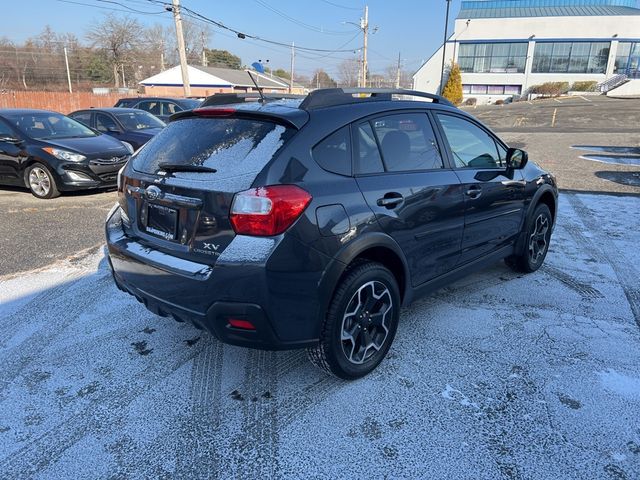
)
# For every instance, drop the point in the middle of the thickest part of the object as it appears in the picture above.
(329, 97)
(230, 98)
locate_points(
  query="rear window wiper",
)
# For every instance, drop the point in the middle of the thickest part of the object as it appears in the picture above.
(176, 167)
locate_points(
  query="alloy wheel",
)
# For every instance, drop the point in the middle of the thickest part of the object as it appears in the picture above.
(538, 241)
(39, 181)
(365, 325)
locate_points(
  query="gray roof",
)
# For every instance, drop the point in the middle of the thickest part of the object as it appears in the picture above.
(240, 78)
(557, 11)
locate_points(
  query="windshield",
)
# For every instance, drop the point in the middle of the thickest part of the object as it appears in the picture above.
(139, 120)
(236, 148)
(49, 125)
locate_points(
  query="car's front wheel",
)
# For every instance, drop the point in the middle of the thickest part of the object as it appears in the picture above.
(538, 236)
(41, 182)
(360, 324)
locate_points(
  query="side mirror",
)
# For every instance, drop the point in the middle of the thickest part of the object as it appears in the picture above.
(516, 158)
(10, 139)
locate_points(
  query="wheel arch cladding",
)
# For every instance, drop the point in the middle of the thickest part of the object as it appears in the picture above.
(389, 259)
(549, 200)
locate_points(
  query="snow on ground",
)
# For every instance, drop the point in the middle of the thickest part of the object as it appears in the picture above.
(497, 376)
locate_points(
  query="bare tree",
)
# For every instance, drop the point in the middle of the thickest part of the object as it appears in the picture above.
(118, 37)
(348, 72)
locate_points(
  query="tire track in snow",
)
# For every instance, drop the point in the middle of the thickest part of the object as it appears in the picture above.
(95, 418)
(624, 270)
(198, 438)
(584, 289)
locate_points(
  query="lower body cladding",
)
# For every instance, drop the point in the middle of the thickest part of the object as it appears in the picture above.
(258, 294)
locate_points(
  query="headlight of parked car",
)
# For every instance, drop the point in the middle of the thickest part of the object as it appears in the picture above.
(64, 154)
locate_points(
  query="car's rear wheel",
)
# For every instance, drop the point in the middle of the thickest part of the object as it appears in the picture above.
(41, 182)
(361, 322)
(538, 236)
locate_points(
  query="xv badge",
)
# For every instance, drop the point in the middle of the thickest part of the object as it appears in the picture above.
(211, 246)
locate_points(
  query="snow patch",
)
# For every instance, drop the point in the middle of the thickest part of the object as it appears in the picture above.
(621, 384)
(451, 393)
(247, 249)
(236, 166)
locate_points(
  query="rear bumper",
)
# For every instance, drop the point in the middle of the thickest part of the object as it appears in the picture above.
(283, 307)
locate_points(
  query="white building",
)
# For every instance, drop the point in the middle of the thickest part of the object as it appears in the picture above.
(504, 47)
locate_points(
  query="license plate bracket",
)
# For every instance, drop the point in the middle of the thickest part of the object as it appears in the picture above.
(162, 221)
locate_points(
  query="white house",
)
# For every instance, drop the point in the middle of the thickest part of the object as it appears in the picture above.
(504, 47)
(206, 81)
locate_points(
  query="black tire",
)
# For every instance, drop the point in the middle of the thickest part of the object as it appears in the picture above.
(371, 316)
(535, 248)
(46, 188)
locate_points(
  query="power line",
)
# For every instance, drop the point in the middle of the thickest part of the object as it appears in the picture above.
(299, 22)
(340, 6)
(110, 9)
(242, 35)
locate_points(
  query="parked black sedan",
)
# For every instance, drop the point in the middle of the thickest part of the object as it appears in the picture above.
(50, 153)
(129, 125)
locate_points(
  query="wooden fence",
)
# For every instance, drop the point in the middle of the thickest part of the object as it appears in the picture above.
(63, 102)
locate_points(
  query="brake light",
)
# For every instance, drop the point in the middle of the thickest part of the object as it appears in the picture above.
(267, 211)
(214, 112)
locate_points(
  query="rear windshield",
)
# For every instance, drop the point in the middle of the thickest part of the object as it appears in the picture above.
(237, 148)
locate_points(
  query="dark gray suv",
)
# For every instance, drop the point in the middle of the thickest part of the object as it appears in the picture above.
(309, 222)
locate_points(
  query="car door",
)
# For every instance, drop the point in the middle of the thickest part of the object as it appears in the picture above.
(168, 109)
(416, 197)
(12, 156)
(494, 195)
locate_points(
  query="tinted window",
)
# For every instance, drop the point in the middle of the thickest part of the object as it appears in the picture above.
(334, 152)
(152, 107)
(470, 145)
(234, 147)
(82, 117)
(139, 120)
(5, 131)
(407, 142)
(368, 158)
(49, 125)
(105, 123)
(169, 108)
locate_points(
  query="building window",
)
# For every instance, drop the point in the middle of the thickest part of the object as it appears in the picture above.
(492, 57)
(492, 89)
(571, 57)
(627, 57)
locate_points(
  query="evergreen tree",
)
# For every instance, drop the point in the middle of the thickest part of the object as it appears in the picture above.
(453, 88)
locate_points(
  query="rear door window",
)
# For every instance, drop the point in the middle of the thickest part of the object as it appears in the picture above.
(104, 123)
(82, 117)
(169, 108)
(407, 142)
(236, 148)
(154, 107)
(368, 158)
(334, 152)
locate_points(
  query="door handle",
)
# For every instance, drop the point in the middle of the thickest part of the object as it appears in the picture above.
(390, 200)
(474, 191)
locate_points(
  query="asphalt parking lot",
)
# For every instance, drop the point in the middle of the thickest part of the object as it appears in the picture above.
(497, 376)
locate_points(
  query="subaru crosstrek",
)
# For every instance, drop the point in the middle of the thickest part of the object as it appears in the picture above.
(310, 222)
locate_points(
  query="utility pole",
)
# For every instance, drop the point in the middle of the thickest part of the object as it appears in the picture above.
(181, 48)
(365, 29)
(293, 63)
(66, 61)
(398, 73)
(204, 53)
(444, 47)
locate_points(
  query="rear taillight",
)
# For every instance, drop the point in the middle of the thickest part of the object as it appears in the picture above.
(267, 211)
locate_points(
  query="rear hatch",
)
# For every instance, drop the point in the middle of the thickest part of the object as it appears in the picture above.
(178, 189)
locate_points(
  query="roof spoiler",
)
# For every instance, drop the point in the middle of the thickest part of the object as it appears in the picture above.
(231, 98)
(329, 97)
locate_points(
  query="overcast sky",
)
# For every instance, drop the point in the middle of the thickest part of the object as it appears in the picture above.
(412, 27)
